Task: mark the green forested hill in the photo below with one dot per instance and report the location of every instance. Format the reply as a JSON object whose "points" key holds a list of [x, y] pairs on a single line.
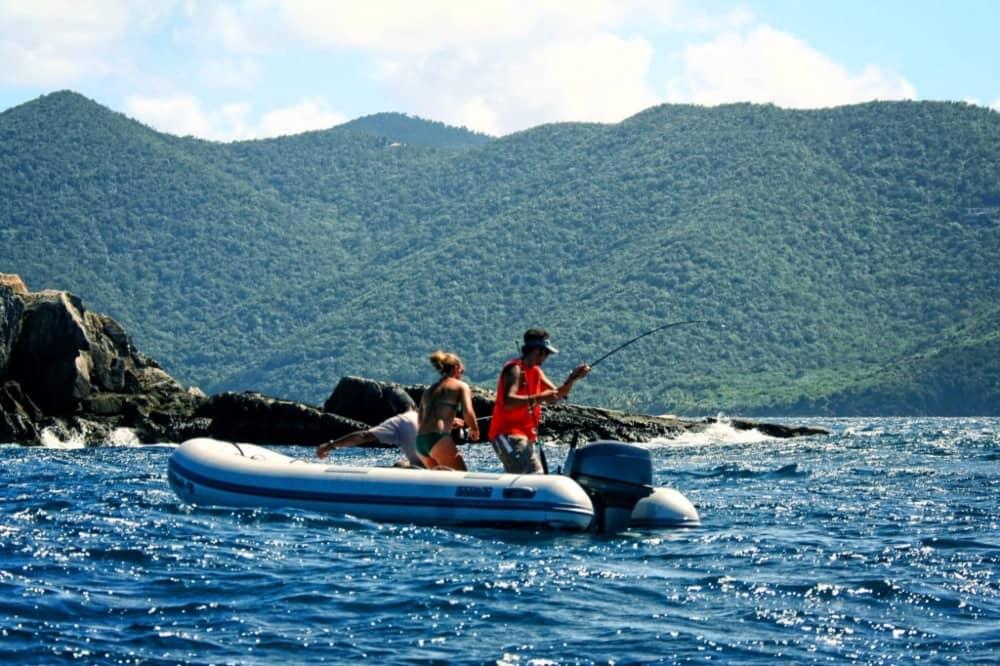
{"points": [[401, 128], [846, 257]]}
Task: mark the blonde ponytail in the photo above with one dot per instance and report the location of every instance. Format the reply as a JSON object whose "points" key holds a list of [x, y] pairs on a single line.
{"points": [[444, 362]]}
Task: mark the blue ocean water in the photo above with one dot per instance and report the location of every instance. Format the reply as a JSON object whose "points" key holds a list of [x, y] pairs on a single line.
{"points": [[876, 544]]}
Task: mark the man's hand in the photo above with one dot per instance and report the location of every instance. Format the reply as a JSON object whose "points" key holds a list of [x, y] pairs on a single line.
{"points": [[549, 396], [579, 372]]}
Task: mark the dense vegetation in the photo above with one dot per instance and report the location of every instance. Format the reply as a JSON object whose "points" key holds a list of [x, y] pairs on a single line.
{"points": [[847, 258]]}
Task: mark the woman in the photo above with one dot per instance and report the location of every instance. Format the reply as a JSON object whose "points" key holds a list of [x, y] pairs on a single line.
{"points": [[440, 405]]}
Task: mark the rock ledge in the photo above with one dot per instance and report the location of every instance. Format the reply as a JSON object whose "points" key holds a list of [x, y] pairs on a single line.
{"points": [[76, 375]]}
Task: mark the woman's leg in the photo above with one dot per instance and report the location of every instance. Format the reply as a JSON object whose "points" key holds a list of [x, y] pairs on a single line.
{"points": [[445, 454], [424, 446]]}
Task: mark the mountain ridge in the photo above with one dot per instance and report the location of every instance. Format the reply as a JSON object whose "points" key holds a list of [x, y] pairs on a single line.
{"points": [[830, 243]]}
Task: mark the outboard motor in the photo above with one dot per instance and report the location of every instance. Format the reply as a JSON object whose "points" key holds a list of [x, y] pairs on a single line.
{"points": [[615, 476]]}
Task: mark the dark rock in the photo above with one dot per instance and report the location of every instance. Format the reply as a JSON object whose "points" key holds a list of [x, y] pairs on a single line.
{"points": [[68, 359], [578, 424], [256, 418], [11, 311], [75, 375], [372, 402], [368, 401], [566, 422], [18, 415], [51, 357], [775, 429], [78, 372], [169, 427], [107, 404]]}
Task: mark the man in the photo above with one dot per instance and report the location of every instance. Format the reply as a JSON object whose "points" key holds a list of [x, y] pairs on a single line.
{"points": [[400, 430], [521, 390]]}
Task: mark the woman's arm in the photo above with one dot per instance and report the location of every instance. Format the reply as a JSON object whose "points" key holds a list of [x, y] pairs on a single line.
{"points": [[469, 412]]}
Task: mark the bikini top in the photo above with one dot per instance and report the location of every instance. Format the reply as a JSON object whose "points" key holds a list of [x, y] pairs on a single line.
{"points": [[434, 401]]}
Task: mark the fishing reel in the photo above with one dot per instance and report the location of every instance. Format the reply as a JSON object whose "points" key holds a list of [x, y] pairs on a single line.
{"points": [[460, 435]]}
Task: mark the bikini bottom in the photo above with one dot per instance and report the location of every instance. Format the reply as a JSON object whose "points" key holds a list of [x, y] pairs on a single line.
{"points": [[427, 440]]}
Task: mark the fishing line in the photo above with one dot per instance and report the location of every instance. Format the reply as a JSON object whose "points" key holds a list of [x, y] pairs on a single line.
{"points": [[649, 332]]}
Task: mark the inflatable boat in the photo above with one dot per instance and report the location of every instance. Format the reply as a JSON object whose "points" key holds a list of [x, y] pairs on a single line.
{"points": [[606, 488]]}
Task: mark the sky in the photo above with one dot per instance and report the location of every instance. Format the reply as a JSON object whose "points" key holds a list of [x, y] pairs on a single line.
{"points": [[230, 70]]}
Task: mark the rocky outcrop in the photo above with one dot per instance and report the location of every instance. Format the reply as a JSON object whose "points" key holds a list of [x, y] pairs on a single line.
{"points": [[19, 415], [77, 373], [72, 374], [252, 417], [366, 400], [12, 293], [372, 401]]}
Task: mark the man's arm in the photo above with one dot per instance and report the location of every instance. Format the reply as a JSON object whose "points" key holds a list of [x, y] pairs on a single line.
{"points": [[352, 439], [512, 378], [560, 393]]}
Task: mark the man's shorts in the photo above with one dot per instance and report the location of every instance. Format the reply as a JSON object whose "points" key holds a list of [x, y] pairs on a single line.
{"points": [[518, 455]]}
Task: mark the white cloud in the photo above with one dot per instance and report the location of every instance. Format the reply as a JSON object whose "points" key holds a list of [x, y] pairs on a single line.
{"points": [[404, 26], [230, 28], [504, 65], [996, 104], [476, 113], [231, 123], [231, 73], [766, 65], [67, 21], [182, 114], [185, 114], [53, 42], [598, 77], [496, 66], [692, 18], [310, 114]]}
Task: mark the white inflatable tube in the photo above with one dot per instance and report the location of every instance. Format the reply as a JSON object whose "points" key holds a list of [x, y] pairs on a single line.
{"points": [[210, 472]]}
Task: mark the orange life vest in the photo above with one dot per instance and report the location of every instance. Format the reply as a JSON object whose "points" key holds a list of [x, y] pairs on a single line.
{"points": [[517, 419]]}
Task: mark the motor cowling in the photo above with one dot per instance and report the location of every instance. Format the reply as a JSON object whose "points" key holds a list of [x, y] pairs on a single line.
{"points": [[616, 476]]}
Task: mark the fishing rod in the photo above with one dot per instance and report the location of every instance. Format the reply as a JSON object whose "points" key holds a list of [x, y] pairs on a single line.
{"points": [[541, 450], [649, 332], [628, 342]]}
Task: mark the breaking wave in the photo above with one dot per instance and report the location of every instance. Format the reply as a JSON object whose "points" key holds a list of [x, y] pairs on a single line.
{"points": [[721, 431]]}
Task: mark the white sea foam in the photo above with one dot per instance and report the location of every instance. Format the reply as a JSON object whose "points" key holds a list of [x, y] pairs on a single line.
{"points": [[124, 437], [719, 432], [54, 438], [59, 438]]}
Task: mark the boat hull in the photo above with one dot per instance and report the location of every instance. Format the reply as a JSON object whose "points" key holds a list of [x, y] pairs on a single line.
{"points": [[210, 472]]}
